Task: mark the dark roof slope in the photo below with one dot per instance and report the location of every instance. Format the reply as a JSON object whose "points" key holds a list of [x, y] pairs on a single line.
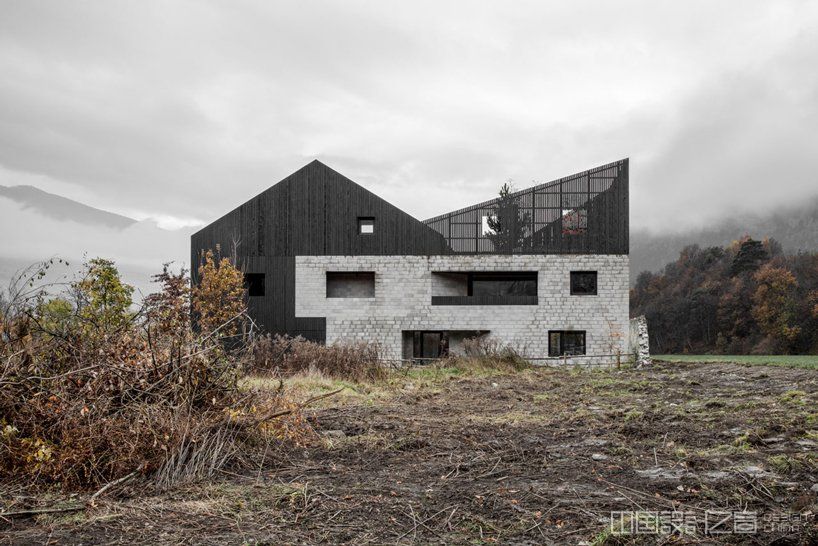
{"points": [[315, 211]]}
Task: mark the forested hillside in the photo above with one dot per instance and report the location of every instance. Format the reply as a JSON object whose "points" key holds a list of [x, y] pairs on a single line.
{"points": [[748, 297], [794, 227]]}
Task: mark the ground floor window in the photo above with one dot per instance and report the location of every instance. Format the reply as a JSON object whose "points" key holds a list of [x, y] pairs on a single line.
{"points": [[566, 342], [430, 344]]}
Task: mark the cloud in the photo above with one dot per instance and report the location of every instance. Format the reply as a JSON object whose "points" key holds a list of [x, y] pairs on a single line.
{"points": [[180, 111], [744, 145]]}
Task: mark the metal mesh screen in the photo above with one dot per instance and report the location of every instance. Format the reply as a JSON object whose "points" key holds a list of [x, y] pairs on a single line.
{"points": [[585, 213]]}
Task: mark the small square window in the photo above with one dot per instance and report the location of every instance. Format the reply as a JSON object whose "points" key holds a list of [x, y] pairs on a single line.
{"points": [[366, 225], [566, 342], [583, 283], [254, 284]]}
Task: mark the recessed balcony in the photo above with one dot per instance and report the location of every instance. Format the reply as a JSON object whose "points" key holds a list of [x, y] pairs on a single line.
{"points": [[484, 300], [484, 288]]}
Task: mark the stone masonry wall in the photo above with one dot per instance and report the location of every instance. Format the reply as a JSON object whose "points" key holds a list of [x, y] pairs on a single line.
{"points": [[403, 293], [639, 344]]}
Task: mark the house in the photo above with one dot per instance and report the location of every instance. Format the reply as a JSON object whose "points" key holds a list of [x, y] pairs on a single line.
{"points": [[544, 269]]}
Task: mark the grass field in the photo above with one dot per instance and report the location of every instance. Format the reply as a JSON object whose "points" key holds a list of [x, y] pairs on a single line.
{"points": [[790, 361]]}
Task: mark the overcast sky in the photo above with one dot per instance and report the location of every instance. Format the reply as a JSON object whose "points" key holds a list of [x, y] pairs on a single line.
{"points": [[182, 110]]}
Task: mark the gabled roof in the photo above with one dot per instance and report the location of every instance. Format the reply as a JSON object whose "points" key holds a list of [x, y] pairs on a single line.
{"points": [[314, 211]]}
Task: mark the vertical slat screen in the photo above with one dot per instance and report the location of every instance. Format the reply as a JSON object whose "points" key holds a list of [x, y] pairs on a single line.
{"points": [[594, 200]]}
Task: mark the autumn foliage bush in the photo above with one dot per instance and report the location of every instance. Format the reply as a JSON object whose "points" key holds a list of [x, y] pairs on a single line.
{"points": [[283, 356], [93, 390]]}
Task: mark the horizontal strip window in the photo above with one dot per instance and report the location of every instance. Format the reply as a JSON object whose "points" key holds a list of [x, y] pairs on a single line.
{"points": [[484, 300], [513, 283]]}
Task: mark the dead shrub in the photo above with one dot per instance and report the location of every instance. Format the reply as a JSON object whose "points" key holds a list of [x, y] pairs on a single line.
{"points": [[91, 390], [491, 354], [284, 356]]}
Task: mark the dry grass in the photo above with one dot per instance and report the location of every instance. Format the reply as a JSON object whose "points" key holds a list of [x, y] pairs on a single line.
{"points": [[281, 356]]}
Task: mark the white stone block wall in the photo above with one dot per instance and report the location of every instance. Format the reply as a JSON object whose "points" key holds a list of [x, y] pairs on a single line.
{"points": [[403, 296], [639, 343]]}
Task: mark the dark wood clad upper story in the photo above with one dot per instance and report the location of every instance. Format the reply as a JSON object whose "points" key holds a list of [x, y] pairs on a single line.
{"points": [[315, 212]]}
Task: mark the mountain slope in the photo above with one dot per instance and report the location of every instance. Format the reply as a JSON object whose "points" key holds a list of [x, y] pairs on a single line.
{"points": [[62, 208], [39, 226]]}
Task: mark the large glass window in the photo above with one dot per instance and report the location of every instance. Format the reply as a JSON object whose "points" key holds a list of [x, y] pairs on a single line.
{"points": [[566, 342], [503, 284]]}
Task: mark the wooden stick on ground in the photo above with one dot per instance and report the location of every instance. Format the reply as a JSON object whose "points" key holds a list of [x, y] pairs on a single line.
{"points": [[77, 508], [36, 511], [109, 485]]}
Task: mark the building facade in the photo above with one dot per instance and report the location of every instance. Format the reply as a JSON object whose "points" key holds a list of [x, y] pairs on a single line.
{"points": [[544, 269]]}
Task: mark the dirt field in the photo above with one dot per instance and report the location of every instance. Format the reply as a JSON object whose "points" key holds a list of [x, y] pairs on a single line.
{"points": [[533, 457]]}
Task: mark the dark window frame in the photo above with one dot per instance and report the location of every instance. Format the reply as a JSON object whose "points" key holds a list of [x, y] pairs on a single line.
{"points": [[254, 284], [560, 350], [366, 221], [576, 275], [418, 344], [503, 276], [360, 274]]}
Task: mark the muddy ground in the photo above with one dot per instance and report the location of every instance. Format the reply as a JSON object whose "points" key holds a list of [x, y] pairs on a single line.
{"points": [[534, 457]]}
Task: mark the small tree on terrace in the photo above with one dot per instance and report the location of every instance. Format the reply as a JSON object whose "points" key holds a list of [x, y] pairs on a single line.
{"points": [[508, 222], [219, 297]]}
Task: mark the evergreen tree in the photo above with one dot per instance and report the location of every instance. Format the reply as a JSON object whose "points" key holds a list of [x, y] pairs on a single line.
{"points": [[508, 223], [751, 254]]}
